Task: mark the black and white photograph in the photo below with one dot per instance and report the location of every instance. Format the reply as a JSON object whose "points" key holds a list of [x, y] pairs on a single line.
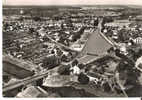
{"points": [[71, 48]]}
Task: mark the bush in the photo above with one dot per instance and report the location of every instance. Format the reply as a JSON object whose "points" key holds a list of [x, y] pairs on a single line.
{"points": [[36, 18], [50, 62], [81, 66], [83, 79], [75, 62], [64, 70], [106, 87]]}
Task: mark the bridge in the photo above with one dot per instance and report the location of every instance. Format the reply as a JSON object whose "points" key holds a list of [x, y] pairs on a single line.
{"points": [[29, 79]]}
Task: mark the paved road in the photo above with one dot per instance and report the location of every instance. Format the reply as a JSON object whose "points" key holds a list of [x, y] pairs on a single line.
{"points": [[95, 45], [28, 80]]}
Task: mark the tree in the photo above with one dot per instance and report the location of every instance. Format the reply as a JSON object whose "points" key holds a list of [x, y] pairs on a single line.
{"points": [[96, 22], [36, 18], [106, 87], [83, 79], [107, 20], [21, 19], [75, 62], [128, 73], [31, 30], [64, 70], [78, 34], [50, 62], [81, 66]]}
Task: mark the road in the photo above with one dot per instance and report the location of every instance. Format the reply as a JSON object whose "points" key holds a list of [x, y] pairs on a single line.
{"points": [[96, 45], [29, 79]]}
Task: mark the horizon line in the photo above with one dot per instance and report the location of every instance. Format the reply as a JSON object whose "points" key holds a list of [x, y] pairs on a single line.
{"points": [[74, 5]]}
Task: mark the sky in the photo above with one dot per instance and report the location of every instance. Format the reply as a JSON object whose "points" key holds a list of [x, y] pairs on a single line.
{"points": [[71, 2]]}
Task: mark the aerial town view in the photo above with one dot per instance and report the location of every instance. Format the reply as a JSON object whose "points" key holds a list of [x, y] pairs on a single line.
{"points": [[72, 51]]}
